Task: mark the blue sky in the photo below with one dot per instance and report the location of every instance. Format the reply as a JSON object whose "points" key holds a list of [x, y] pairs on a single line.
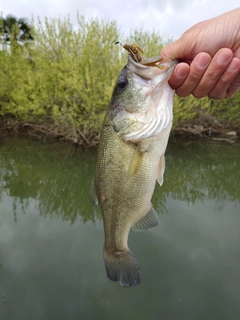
{"points": [[170, 17]]}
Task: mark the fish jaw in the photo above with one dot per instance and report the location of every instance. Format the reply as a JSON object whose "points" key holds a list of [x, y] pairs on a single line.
{"points": [[144, 107]]}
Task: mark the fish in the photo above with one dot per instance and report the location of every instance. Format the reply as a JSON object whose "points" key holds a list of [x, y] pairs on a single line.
{"points": [[130, 159]]}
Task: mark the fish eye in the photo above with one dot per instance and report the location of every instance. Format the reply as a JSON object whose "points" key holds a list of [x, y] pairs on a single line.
{"points": [[122, 82]]}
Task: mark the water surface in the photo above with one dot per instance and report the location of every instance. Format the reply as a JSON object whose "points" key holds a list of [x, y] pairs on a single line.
{"points": [[51, 238]]}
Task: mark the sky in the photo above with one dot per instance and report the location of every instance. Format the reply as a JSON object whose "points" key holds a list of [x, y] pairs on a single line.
{"points": [[169, 17]]}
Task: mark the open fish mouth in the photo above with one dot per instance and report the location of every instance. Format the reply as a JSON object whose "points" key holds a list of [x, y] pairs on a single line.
{"points": [[149, 72], [151, 109]]}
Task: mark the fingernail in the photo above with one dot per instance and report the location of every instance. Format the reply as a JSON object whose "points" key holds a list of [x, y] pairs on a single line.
{"points": [[224, 57], [202, 61]]}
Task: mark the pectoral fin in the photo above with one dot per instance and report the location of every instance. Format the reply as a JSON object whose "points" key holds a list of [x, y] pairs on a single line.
{"points": [[137, 158], [135, 163], [93, 194], [150, 220], [161, 169]]}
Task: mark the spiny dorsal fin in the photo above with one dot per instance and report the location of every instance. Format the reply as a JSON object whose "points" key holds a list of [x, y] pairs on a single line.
{"points": [[150, 220], [161, 169], [93, 194]]}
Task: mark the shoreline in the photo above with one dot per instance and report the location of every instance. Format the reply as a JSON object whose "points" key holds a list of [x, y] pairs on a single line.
{"points": [[90, 138]]}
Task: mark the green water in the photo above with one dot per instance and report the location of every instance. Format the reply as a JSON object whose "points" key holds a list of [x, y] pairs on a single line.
{"points": [[51, 239]]}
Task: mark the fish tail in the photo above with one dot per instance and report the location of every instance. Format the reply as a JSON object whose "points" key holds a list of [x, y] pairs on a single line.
{"points": [[122, 267]]}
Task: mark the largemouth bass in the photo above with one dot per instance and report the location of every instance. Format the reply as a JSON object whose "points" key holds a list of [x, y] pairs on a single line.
{"points": [[130, 159]]}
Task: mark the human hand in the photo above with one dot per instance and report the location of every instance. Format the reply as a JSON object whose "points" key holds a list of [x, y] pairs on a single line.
{"points": [[210, 55]]}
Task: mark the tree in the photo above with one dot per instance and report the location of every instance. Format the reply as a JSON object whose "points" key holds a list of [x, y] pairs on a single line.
{"points": [[15, 31]]}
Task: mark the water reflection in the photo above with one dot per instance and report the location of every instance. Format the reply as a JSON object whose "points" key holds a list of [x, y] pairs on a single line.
{"points": [[58, 178], [51, 264], [200, 171]]}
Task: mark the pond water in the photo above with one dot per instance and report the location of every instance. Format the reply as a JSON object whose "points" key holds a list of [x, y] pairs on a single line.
{"points": [[51, 238]]}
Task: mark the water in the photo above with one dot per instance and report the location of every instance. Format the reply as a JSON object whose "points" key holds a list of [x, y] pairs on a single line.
{"points": [[51, 238]]}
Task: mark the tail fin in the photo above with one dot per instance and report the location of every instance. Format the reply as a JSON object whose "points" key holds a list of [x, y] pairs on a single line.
{"points": [[122, 267]]}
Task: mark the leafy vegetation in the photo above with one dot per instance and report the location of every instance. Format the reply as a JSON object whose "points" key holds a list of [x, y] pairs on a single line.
{"points": [[61, 82], [15, 30]]}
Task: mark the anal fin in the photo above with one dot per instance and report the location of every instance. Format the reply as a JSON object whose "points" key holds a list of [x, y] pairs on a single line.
{"points": [[150, 220]]}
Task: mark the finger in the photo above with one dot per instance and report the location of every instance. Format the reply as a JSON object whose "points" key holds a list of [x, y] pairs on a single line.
{"points": [[213, 73], [229, 82], [197, 70], [179, 75], [234, 87]]}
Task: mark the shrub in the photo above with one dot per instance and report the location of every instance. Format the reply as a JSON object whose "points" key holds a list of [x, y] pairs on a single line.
{"points": [[65, 77]]}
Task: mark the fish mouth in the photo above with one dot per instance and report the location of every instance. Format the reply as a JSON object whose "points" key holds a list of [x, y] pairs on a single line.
{"points": [[150, 72], [152, 111]]}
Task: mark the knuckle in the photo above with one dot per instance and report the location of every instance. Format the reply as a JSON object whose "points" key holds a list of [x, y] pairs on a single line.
{"points": [[229, 95], [215, 97], [198, 94], [223, 82], [232, 90], [201, 90], [222, 89], [182, 92], [212, 75], [193, 78], [217, 94]]}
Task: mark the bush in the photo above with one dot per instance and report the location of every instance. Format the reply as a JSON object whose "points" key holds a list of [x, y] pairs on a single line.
{"points": [[65, 77]]}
